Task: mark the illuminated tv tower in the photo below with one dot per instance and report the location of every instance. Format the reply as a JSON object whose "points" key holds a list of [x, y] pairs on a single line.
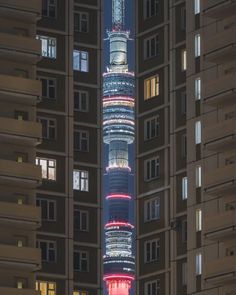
{"points": [[118, 134]]}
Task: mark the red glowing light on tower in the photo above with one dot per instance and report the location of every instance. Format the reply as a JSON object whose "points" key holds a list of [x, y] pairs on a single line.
{"points": [[118, 284]]}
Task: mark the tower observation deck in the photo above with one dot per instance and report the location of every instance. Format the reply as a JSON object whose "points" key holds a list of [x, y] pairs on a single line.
{"points": [[118, 134]]}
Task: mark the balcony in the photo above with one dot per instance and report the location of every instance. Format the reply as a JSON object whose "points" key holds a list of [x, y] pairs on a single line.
{"points": [[15, 291], [21, 9], [221, 180], [19, 174], [20, 132], [219, 8], [220, 92], [222, 47], [221, 271], [20, 257], [221, 226], [19, 48], [20, 216], [220, 137], [19, 90]]}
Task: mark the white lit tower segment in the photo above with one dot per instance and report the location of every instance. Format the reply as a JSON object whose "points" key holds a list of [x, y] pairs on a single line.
{"points": [[118, 134]]}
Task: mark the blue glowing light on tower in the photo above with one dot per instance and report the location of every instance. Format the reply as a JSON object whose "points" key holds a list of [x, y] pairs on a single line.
{"points": [[118, 134]]}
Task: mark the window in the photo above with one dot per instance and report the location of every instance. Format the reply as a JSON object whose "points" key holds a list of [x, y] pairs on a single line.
{"points": [[21, 115], [81, 101], [184, 273], [81, 22], [48, 168], [48, 250], [80, 293], [183, 60], [152, 169], [198, 176], [151, 87], [46, 288], [81, 140], [151, 128], [48, 88], [197, 45], [152, 209], [198, 220], [49, 46], [49, 8], [80, 61], [198, 89], [151, 47], [81, 180], [48, 209], [151, 8], [183, 102], [196, 6], [152, 250], [48, 128], [198, 264], [81, 261], [183, 146], [81, 220], [183, 19], [184, 231], [152, 288], [184, 188], [198, 132]]}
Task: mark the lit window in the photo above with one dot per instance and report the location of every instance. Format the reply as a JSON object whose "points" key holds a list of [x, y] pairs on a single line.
{"points": [[184, 188], [152, 250], [48, 209], [151, 128], [152, 288], [81, 101], [184, 273], [197, 45], [48, 250], [152, 169], [198, 132], [151, 87], [184, 60], [81, 22], [81, 220], [48, 88], [198, 176], [81, 261], [46, 288], [81, 180], [196, 6], [81, 140], [151, 47], [49, 8], [49, 46], [48, 128], [198, 89], [198, 220], [80, 293], [80, 61], [198, 264], [152, 209], [48, 168], [19, 285], [151, 8]]}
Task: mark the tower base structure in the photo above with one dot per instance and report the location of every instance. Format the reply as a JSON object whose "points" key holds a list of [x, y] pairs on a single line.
{"points": [[118, 284]]}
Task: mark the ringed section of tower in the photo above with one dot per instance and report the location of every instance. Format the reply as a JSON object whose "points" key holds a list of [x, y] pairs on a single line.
{"points": [[118, 133]]}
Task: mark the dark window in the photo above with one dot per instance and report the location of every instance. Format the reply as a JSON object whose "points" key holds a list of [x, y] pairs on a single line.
{"points": [[81, 141], [48, 88], [151, 47], [49, 8], [48, 209], [48, 128], [81, 22], [151, 8]]}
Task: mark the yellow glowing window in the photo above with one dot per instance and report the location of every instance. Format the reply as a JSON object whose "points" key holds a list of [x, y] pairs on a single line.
{"points": [[80, 293], [19, 201], [19, 285], [19, 243], [184, 60], [19, 159], [151, 87], [46, 288]]}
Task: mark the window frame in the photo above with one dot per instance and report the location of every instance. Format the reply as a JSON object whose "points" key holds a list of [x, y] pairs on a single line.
{"points": [[80, 253], [81, 179], [80, 102], [48, 283], [38, 203], [153, 256], [149, 121], [48, 86], [48, 167], [198, 264], [197, 45], [48, 5], [197, 7], [80, 217], [198, 88], [48, 249], [198, 174], [198, 132], [184, 188], [148, 10], [148, 47], [78, 65], [78, 26], [198, 220], [80, 132], [51, 49], [148, 211], [150, 283], [148, 170], [151, 87], [48, 127]]}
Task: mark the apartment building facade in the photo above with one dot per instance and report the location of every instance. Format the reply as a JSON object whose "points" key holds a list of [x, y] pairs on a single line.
{"points": [[20, 134], [70, 155], [185, 67]]}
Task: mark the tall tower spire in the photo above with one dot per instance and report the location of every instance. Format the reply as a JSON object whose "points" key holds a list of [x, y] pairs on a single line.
{"points": [[118, 134]]}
